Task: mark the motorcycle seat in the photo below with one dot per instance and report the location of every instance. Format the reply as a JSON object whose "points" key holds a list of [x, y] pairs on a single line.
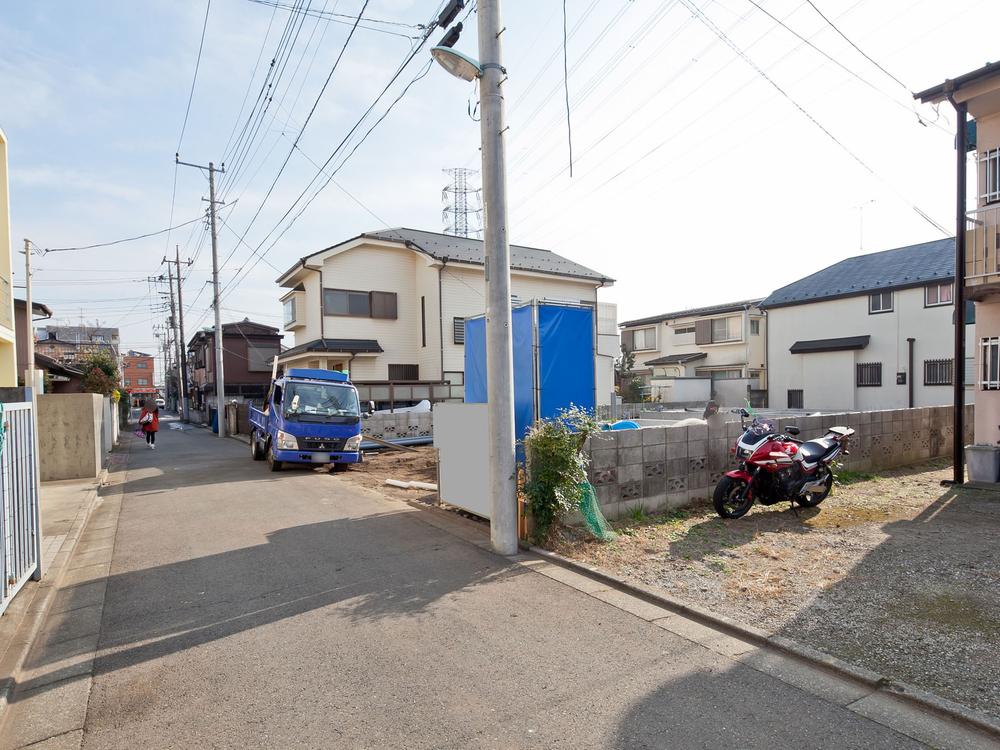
{"points": [[813, 450]]}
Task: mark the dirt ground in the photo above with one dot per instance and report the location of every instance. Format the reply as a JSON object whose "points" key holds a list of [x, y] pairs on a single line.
{"points": [[417, 466], [895, 573]]}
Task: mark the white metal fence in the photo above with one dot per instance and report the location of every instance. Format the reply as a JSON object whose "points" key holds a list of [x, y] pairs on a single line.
{"points": [[19, 527]]}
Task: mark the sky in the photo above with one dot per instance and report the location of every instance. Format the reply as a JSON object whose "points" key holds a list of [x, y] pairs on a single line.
{"points": [[717, 155]]}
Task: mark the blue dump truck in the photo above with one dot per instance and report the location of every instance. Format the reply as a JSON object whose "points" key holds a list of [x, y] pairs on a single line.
{"points": [[310, 417]]}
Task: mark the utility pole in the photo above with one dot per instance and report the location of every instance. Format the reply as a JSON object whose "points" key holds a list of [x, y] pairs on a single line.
{"points": [[499, 349], [220, 382], [183, 342], [177, 341], [29, 374]]}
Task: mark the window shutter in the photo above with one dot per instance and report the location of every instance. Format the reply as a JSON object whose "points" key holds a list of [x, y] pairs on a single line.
{"points": [[383, 305], [703, 332], [458, 330]]}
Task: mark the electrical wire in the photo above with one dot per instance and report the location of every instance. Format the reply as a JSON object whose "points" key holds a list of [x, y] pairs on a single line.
{"points": [[833, 26], [335, 18], [569, 126], [194, 80], [119, 242]]}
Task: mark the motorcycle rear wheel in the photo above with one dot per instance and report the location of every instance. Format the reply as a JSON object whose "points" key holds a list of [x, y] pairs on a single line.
{"points": [[812, 499], [732, 498]]}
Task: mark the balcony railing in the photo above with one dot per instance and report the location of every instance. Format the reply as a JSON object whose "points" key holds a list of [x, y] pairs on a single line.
{"points": [[6, 313], [982, 245]]}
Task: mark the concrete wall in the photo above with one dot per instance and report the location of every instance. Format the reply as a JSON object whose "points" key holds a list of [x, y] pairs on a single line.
{"points": [[398, 425], [668, 467], [828, 379], [70, 435]]}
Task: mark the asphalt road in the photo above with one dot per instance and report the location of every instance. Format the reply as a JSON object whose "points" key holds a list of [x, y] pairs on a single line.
{"points": [[250, 609]]}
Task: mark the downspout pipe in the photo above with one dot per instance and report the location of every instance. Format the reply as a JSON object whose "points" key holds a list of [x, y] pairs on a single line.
{"points": [[958, 368], [444, 262], [909, 370]]}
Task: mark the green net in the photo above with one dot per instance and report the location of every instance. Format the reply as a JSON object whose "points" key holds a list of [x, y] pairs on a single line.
{"points": [[590, 509]]}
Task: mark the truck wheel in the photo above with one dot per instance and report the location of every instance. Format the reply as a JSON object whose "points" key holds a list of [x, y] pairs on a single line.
{"points": [[273, 463], [256, 453]]}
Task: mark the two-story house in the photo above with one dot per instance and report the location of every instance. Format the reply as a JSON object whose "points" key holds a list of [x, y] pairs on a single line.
{"points": [[248, 352], [67, 344], [137, 375], [977, 94], [871, 332], [390, 306], [701, 353], [8, 353]]}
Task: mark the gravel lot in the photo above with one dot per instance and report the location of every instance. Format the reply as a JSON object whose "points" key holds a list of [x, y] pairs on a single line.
{"points": [[895, 573]]}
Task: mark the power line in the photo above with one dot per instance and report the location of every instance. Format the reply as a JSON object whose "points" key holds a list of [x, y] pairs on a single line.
{"points": [[331, 14], [833, 26], [569, 127], [335, 18], [118, 242], [194, 80]]}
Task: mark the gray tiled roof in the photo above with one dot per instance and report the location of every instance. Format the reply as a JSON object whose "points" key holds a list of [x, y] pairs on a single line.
{"points": [[901, 267], [357, 346], [693, 312], [469, 250]]}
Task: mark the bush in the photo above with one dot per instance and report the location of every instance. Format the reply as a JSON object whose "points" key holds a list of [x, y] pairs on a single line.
{"points": [[100, 372], [556, 466]]}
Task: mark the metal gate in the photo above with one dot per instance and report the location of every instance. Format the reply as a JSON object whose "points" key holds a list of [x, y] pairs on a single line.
{"points": [[19, 529]]}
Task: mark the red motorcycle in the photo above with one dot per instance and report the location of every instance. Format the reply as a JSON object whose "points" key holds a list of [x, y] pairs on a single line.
{"points": [[776, 466]]}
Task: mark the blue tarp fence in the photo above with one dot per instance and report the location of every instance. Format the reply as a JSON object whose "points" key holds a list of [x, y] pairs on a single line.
{"points": [[563, 373]]}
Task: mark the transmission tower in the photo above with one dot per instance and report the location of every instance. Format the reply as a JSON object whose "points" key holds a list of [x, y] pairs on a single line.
{"points": [[463, 204]]}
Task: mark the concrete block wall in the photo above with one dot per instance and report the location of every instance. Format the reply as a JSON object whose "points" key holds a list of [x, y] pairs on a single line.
{"points": [[70, 435], [659, 468], [398, 425]]}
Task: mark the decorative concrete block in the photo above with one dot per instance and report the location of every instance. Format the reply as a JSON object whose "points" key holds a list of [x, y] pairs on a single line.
{"points": [[677, 450], [630, 490], [629, 473], [630, 455], [697, 464], [653, 435], [676, 467], [654, 469], [605, 476], [676, 484], [604, 458], [629, 438], [654, 452]]}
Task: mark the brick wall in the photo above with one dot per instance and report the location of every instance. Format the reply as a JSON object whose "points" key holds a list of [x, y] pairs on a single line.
{"points": [[667, 467]]}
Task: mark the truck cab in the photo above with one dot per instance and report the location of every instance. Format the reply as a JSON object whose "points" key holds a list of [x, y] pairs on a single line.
{"points": [[309, 417]]}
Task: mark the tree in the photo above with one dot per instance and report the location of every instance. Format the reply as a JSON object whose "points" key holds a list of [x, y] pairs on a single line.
{"points": [[629, 384], [100, 372]]}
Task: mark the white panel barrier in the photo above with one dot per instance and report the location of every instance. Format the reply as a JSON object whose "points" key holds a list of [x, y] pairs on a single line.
{"points": [[460, 437]]}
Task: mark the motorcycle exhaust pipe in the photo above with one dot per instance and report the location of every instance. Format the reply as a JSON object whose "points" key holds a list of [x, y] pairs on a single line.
{"points": [[816, 486]]}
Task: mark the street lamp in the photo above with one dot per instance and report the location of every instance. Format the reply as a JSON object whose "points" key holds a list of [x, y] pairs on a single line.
{"points": [[499, 350]]}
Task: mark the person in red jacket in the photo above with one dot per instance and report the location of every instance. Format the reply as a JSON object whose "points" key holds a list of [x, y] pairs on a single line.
{"points": [[149, 420]]}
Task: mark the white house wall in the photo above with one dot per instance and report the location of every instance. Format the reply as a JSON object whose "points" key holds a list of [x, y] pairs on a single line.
{"points": [[828, 379]]}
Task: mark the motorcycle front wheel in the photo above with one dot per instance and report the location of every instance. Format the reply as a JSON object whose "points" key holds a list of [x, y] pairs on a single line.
{"points": [[732, 498], [812, 499]]}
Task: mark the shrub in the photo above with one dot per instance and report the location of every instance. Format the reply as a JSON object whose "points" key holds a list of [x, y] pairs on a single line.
{"points": [[556, 466], [100, 372]]}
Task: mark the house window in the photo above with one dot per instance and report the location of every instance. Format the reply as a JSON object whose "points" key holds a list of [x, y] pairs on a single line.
{"points": [[755, 326], [641, 339], [795, 399], [879, 302], [142, 381], [725, 329], [404, 372], [423, 321], [346, 302], [458, 330], [937, 371], [689, 328], [937, 294], [734, 374], [142, 365], [128, 382], [455, 377], [869, 374], [990, 359], [989, 174], [289, 310]]}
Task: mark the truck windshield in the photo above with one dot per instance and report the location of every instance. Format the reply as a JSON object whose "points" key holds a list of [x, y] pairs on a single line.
{"points": [[308, 401]]}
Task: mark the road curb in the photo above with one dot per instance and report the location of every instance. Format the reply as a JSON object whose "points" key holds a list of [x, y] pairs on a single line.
{"points": [[918, 698], [37, 607]]}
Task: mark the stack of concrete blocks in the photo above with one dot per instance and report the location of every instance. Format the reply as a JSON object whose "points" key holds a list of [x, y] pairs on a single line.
{"points": [[398, 425], [659, 468]]}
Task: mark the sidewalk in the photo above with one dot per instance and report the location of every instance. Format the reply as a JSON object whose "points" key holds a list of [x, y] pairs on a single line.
{"points": [[66, 507]]}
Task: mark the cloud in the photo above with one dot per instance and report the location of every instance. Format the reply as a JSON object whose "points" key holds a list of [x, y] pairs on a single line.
{"points": [[72, 181]]}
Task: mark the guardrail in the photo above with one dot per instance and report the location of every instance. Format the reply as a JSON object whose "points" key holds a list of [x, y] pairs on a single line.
{"points": [[19, 522]]}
